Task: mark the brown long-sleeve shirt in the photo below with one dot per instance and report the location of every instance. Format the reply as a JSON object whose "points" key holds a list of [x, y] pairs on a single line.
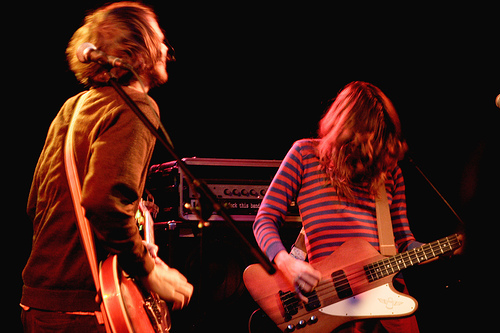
{"points": [[112, 152]]}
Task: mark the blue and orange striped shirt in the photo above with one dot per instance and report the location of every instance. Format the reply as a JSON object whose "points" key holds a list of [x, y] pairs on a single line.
{"points": [[328, 219]]}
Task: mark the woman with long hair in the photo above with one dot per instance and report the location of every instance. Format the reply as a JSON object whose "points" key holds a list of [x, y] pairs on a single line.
{"points": [[334, 181]]}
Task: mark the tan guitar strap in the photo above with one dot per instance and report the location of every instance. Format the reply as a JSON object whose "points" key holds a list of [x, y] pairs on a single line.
{"points": [[299, 250], [76, 196], [384, 226], [384, 223]]}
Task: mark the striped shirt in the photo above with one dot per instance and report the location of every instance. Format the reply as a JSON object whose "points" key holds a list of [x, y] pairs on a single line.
{"points": [[328, 219]]}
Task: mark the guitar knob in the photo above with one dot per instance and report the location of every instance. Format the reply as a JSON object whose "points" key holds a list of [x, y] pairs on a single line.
{"points": [[290, 328], [313, 320], [302, 323]]}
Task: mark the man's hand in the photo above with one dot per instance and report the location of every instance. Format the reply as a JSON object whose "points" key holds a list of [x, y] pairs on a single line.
{"points": [[152, 249], [169, 284], [460, 250]]}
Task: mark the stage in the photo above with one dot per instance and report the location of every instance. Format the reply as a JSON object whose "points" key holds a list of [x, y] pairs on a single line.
{"points": [[250, 79]]}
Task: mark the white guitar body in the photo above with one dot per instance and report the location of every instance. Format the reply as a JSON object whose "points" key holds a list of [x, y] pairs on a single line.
{"points": [[381, 301]]}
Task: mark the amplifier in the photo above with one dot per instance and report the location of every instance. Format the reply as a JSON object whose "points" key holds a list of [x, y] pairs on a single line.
{"points": [[239, 184]]}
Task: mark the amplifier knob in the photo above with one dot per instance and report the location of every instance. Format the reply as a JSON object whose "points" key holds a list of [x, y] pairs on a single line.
{"points": [[245, 193], [263, 192], [253, 193], [236, 192], [228, 192]]}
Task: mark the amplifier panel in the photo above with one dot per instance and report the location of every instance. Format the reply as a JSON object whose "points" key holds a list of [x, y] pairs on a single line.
{"points": [[239, 184]]}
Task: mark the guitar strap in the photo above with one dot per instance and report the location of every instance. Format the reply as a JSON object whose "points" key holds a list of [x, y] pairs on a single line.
{"points": [[384, 226], [299, 250], [384, 223], [76, 196]]}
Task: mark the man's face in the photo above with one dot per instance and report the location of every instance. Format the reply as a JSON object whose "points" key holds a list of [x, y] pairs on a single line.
{"points": [[160, 69]]}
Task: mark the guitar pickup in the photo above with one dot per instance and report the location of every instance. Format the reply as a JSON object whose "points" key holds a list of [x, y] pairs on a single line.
{"points": [[312, 301], [341, 284]]}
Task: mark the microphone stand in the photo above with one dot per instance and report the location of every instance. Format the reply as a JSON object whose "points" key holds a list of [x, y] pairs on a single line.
{"points": [[443, 199], [196, 184]]}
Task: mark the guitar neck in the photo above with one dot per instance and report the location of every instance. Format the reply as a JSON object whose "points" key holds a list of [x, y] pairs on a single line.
{"points": [[394, 264]]}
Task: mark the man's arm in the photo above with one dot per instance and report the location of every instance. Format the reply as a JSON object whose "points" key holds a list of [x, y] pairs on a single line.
{"points": [[113, 184]]}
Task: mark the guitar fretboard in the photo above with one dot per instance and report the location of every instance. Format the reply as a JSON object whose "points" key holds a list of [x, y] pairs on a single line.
{"points": [[388, 266]]}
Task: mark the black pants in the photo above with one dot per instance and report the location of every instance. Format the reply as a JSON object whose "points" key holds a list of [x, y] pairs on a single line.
{"points": [[40, 321]]}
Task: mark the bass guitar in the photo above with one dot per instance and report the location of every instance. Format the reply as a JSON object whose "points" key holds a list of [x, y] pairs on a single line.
{"points": [[129, 306], [356, 284]]}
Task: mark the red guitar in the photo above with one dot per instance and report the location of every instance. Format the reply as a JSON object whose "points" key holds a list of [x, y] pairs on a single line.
{"points": [[356, 284], [129, 306]]}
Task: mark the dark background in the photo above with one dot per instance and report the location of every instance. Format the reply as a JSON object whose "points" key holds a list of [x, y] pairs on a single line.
{"points": [[253, 77]]}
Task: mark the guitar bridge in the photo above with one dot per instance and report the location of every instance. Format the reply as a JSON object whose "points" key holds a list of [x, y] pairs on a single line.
{"points": [[157, 312], [290, 304]]}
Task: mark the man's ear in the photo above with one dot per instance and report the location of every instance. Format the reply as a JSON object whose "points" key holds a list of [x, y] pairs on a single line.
{"points": [[102, 77]]}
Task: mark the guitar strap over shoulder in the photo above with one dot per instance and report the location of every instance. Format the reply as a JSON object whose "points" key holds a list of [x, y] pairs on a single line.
{"points": [[384, 226], [76, 196], [384, 223]]}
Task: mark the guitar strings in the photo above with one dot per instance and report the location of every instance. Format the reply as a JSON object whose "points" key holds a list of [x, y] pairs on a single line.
{"points": [[381, 264], [358, 277], [326, 290], [326, 286]]}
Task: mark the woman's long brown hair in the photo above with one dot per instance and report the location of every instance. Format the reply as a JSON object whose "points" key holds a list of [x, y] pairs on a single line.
{"points": [[360, 138]]}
